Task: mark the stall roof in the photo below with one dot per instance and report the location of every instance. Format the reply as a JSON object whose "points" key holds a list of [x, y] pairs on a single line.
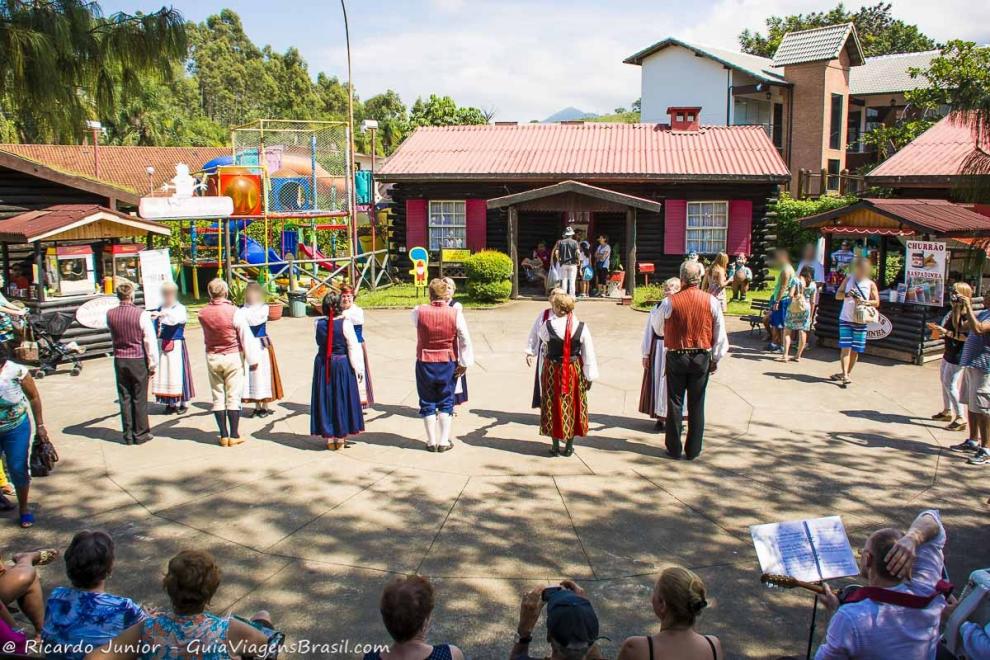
{"points": [[65, 222], [923, 216], [936, 157]]}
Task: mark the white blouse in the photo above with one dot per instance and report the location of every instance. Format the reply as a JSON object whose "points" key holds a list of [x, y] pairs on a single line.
{"points": [[588, 358]]}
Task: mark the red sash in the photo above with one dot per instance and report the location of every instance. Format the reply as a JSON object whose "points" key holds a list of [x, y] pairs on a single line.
{"points": [[899, 598]]}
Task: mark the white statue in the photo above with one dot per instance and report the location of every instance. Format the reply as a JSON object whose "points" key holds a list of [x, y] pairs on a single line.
{"points": [[182, 183]]}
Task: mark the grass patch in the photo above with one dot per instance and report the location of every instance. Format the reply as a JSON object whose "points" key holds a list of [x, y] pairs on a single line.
{"points": [[646, 296], [403, 296]]}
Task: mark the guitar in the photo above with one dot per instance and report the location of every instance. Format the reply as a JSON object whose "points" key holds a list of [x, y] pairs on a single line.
{"points": [[787, 582]]}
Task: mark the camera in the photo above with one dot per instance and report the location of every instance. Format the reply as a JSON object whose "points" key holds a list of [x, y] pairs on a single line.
{"points": [[954, 297]]}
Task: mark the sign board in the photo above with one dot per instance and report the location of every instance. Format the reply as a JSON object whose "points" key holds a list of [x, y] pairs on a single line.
{"points": [[925, 268], [882, 328], [93, 314], [156, 269], [455, 255], [420, 262], [174, 208]]}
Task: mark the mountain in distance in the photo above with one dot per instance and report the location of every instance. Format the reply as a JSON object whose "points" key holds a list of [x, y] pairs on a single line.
{"points": [[568, 114]]}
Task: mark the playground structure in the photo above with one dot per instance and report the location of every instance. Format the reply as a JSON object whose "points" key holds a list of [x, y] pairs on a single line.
{"points": [[296, 215]]}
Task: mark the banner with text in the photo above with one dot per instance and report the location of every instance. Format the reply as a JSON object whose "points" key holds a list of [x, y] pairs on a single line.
{"points": [[925, 269]]}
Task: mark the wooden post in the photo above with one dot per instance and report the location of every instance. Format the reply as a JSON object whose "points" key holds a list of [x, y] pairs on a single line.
{"points": [[842, 181], [39, 264], [630, 250], [823, 187], [227, 247], [6, 264], [800, 183], [514, 249]]}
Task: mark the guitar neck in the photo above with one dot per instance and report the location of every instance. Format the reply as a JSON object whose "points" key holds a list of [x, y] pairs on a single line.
{"points": [[811, 586]]}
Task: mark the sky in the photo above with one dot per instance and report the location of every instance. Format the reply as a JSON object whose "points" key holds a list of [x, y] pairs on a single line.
{"points": [[524, 59]]}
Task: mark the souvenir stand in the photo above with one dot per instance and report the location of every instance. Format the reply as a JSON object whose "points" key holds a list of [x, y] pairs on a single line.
{"points": [[923, 232]]}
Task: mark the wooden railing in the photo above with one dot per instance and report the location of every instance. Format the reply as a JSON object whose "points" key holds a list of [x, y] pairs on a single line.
{"points": [[816, 184]]}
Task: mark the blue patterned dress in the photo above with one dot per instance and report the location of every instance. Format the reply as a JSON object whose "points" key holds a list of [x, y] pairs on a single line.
{"points": [[85, 620], [172, 637]]}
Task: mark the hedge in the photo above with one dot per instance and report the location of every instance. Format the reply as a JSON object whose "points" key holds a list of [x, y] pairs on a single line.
{"points": [[489, 275], [490, 291]]}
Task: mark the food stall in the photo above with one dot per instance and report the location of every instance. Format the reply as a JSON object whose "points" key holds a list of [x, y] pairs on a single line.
{"points": [[910, 243], [57, 259]]}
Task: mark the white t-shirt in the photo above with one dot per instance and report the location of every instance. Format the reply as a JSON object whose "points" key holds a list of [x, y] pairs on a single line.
{"points": [[868, 630], [817, 268], [13, 403], [863, 287]]}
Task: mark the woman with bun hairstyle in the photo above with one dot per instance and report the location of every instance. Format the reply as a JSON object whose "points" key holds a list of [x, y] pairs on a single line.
{"points": [[335, 406], [678, 599]]}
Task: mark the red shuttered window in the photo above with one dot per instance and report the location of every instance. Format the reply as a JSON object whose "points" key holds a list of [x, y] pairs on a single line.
{"points": [[477, 224], [416, 223], [740, 238], [674, 220]]}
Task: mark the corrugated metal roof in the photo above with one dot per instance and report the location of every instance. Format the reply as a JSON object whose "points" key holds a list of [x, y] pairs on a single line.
{"points": [[590, 151], [922, 215], [818, 44], [31, 225], [760, 68], [122, 167], [889, 74], [939, 152]]}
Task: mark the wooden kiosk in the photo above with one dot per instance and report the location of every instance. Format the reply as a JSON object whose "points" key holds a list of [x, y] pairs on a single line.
{"points": [[876, 228], [56, 259]]}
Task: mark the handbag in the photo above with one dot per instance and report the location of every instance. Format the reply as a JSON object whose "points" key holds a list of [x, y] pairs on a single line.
{"points": [[43, 457], [865, 313], [27, 351]]}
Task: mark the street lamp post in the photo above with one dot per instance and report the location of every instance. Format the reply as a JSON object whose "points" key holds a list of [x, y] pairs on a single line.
{"points": [[352, 202]]}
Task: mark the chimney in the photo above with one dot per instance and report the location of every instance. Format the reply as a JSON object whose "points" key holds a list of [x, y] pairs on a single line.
{"points": [[685, 118]]}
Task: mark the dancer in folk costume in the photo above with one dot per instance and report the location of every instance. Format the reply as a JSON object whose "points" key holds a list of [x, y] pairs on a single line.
{"points": [[264, 384], [354, 314], [460, 384], [227, 336], [443, 354], [335, 404], [534, 348], [172, 384], [653, 393], [569, 368]]}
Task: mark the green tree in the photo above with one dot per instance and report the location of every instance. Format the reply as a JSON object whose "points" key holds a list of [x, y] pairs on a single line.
{"points": [[392, 117], [888, 140], [443, 111], [879, 32], [63, 62]]}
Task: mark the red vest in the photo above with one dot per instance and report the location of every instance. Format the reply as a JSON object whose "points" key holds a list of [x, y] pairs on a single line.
{"points": [[124, 322], [436, 333], [690, 322], [219, 333]]}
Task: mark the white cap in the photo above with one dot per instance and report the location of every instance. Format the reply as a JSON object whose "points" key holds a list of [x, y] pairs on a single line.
{"points": [[569, 231]]}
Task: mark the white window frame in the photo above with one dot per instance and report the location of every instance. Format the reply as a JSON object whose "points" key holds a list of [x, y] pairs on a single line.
{"points": [[724, 229], [459, 211]]}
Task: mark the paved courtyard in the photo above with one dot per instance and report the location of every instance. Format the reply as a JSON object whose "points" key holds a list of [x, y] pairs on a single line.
{"points": [[312, 535]]}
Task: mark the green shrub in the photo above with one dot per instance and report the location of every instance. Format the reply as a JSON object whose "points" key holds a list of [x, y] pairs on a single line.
{"points": [[490, 291], [644, 296], [790, 234], [488, 266]]}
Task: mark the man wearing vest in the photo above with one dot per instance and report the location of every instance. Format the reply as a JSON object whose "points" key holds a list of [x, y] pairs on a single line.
{"points": [[228, 346], [135, 358], [695, 339], [566, 254], [897, 614], [439, 362]]}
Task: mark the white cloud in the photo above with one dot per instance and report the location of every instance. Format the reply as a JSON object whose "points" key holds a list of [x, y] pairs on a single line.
{"points": [[530, 59]]}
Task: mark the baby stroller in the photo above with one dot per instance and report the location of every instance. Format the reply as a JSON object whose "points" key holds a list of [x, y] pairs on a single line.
{"points": [[47, 330]]}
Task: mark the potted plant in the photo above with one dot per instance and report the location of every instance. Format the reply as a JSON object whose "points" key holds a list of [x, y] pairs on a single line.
{"points": [[275, 305]]}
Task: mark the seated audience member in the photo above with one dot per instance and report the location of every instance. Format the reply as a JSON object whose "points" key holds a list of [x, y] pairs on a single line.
{"points": [[20, 584], [678, 599], [897, 614], [190, 582], [407, 611], [572, 625], [83, 617]]}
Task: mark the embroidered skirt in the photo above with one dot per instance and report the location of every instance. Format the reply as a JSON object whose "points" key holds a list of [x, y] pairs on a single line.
{"points": [[264, 384], [565, 416], [172, 384]]}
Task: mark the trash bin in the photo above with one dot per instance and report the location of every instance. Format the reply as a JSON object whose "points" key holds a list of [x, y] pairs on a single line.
{"points": [[297, 304]]}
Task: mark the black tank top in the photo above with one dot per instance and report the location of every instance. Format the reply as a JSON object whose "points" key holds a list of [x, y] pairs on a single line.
{"points": [[649, 641]]}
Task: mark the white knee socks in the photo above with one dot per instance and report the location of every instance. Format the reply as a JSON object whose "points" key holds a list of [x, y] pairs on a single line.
{"points": [[432, 432], [445, 423]]}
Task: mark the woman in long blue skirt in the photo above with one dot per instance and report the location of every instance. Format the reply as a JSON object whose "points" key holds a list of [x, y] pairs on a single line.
{"points": [[335, 408]]}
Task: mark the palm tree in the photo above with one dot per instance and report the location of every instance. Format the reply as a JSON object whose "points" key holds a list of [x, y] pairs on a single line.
{"points": [[63, 62]]}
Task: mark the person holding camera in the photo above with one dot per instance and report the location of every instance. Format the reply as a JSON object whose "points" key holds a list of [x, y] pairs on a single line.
{"points": [[953, 330], [572, 625], [975, 361], [860, 300]]}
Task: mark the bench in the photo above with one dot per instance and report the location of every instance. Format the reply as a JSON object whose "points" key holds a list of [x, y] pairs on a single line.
{"points": [[758, 309]]}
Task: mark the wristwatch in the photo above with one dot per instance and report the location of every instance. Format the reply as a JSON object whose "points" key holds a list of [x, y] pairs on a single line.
{"points": [[524, 639]]}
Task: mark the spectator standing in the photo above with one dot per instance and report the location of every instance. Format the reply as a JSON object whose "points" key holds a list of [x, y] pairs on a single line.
{"points": [[406, 607], [858, 293], [11, 318], [572, 625], [18, 394], [603, 264], [716, 278], [192, 579], [135, 360], [678, 599], [954, 330], [695, 340], [976, 383], [83, 617], [740, 275], [802, 294], [780, 298], [566, 254], [897, 614], [586, 273], [808, 259]]}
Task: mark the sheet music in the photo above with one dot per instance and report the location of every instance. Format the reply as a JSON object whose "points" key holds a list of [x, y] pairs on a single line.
{"points": [[809, 550]]}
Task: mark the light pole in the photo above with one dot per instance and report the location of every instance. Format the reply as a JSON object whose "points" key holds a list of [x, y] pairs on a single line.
{"points": [[371, 125], [352, 202]]}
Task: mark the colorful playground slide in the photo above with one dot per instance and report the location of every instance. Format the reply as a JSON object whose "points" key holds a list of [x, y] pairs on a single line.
{"points": [[307, 252], [253, 252]]}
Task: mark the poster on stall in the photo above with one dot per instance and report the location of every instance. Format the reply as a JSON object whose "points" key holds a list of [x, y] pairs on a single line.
{"points": [[156, 269], [925, 268]]}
